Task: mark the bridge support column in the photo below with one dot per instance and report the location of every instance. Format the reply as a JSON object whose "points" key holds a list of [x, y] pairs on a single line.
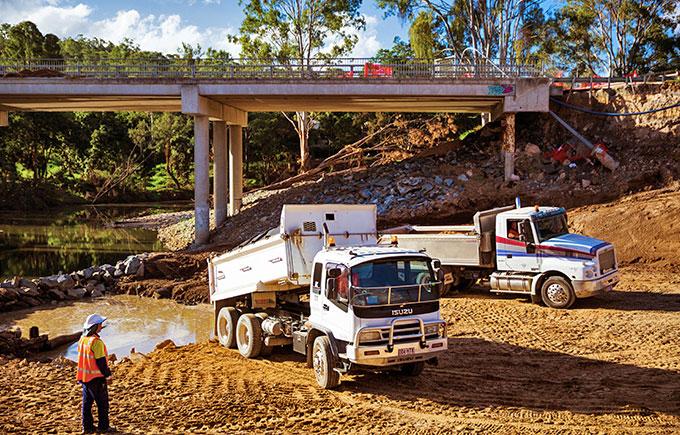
{"points": [[4, 119], [235, 168], [220, 171], [201, 179], [508, 146]]}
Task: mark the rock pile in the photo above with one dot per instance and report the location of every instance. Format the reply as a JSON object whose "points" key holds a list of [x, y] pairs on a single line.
{"points": [[18, 293]]}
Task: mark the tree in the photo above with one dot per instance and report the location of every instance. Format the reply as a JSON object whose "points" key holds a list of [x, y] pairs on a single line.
{"points": [[295, 32], [617, 37], [24, 41], [503, 29], [422, 36], [400, 52]]}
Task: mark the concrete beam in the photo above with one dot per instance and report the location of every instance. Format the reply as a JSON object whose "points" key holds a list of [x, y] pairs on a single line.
{"points": [[531, 95], [195, 104], [220, 171], [201, 179], [235, 168], [4, 119]]}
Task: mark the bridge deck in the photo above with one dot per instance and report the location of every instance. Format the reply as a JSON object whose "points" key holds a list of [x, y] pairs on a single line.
{"points": [[387, 95]]}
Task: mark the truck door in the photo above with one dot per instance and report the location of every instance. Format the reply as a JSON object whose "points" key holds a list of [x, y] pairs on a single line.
{"points": [[516, 247], [330, 301]]}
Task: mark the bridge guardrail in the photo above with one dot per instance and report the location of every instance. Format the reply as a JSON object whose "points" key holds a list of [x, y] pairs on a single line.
{"points": [[343, 69]]}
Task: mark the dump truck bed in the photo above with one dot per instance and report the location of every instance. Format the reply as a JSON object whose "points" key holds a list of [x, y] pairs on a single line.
{"points": [[282, 259], [454, 245]]}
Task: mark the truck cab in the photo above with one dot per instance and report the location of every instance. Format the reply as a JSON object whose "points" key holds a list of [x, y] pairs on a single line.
{"points": [[381, 304], [535, 252]]}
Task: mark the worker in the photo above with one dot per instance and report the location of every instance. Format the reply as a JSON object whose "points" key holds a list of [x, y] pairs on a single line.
{"points": [[94, 374], [513, 231]]}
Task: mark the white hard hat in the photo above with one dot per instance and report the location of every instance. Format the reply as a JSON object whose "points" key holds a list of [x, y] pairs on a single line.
{"points": [[93, 319]]}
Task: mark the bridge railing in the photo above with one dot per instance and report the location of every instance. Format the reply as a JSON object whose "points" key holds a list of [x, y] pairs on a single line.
{"points": [[342, 69]]}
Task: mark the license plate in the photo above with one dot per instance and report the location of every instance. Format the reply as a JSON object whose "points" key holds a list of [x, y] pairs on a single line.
{"points": [[406, 351]]}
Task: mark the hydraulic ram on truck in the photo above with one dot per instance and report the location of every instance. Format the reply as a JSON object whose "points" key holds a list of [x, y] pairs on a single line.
{"points": [[320, 283]]}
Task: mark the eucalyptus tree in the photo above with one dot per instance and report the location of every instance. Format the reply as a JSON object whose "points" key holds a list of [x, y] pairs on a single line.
{"points": [[503, 29], [617, 37], [295, 33]]}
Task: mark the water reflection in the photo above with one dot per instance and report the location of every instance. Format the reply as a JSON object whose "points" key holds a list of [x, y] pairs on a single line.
{"points": [[44, 243], [132, 322]]}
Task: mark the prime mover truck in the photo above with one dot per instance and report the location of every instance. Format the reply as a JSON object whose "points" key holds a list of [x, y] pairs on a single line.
{"points": [[321, 283], [524, 250]]}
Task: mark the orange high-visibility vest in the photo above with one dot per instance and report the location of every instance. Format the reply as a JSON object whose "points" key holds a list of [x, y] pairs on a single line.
{"points": [[87, 367]]}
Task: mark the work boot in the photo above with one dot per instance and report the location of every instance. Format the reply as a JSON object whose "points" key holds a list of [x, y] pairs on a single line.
{"points": [[111, 429], [88, 431]]}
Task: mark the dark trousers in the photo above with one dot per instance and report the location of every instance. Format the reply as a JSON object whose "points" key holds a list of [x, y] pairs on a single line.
{"points": [[95, 391]]}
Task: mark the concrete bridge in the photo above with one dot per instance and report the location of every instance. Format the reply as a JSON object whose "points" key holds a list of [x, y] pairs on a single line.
{"points": [[227, 96]]}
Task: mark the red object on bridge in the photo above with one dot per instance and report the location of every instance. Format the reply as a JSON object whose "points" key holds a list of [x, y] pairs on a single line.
{"points": [[376, 70]]}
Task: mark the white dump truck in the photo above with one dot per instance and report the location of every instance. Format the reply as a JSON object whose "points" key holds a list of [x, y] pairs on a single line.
{"points": [[524, 250], [321, 283]]}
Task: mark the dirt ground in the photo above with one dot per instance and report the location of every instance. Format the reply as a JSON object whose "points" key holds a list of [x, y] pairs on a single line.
{"points": [[610, 365]]}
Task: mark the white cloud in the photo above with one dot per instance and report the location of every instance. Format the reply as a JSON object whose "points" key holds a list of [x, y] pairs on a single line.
{"points": [[164, 33], [47, 15], [367, 45]]}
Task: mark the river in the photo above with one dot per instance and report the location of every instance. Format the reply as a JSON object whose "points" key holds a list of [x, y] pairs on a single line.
{"points": [[44, 243], [133, 322]]}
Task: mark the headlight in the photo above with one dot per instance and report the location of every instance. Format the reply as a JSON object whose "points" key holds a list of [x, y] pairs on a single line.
{"points": [[370, 336], [589, 273], [432, 329]]}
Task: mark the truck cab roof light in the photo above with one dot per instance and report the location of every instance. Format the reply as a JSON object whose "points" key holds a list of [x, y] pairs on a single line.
{"points": [[394, 241], [331, 241]]}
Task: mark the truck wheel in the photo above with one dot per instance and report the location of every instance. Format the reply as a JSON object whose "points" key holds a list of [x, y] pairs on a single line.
{"points": [[412, 369], [556, 292], [249, 336], [226, 327], [322, 361]]}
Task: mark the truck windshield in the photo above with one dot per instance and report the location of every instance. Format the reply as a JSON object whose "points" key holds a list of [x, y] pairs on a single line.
{"points": [[388, 282], [552, 226]]}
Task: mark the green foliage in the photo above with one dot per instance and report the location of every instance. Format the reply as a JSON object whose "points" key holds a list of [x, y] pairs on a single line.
{"points": [[616, 36], [400, 52], [298, 29], [422, 36]]}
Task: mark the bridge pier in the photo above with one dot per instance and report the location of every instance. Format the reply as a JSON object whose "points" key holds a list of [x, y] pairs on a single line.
{"points": [[235, 168], [201, 178], [220, 171], [508, 146]]}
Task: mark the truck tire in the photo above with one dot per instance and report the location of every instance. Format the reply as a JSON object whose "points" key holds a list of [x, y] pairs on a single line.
{"points": [[556, 292], [226, 327], [249, 336], [412, 369], [322, 361]]}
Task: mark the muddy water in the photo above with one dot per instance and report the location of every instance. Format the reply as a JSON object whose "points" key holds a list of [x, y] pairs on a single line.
{"points": [[44, 243], [133, 322]]}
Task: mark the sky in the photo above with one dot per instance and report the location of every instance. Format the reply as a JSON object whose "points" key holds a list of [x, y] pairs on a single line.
{"points": [[162, 25]]}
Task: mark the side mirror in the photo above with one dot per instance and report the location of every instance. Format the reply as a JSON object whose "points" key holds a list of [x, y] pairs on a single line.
{"points": [[436, 264], [333, 273], [331, 288]]}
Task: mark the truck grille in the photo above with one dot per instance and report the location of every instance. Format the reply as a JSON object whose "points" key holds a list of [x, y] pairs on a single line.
{"points": [[403, 332], [607, 260]]}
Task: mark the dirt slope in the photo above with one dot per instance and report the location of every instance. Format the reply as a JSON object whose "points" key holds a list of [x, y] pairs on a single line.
{"points": [[644, 227]]}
